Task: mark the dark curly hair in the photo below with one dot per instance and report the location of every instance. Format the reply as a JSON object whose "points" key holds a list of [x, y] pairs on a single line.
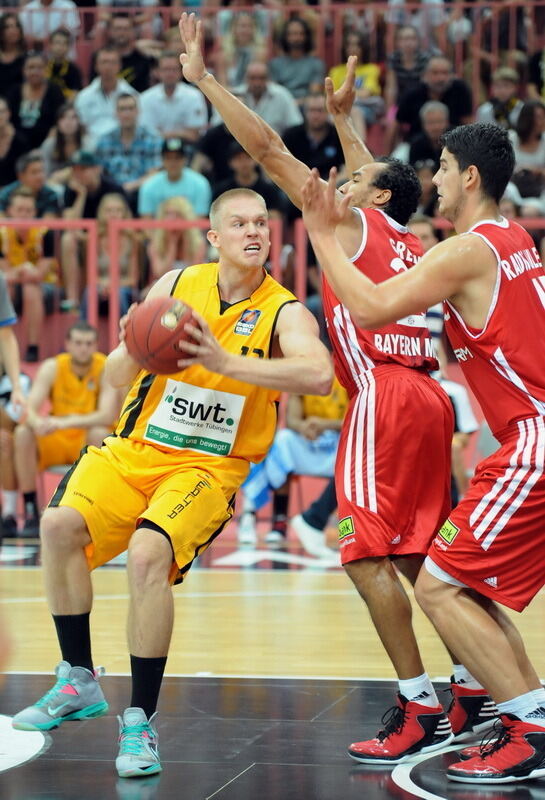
{"points": [[308, 43], [487, 147], [403, 182]]}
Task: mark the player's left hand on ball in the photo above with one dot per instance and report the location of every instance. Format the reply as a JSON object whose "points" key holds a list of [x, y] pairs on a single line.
{"points": [[203, 347], [124, 320]]}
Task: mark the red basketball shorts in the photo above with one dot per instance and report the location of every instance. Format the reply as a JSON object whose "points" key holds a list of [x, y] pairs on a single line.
{"points": [[494, 540], [392, 474]]}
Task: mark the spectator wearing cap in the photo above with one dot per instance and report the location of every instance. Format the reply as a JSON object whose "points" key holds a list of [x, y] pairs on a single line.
{"points": [[130, 153], [40, 18], [246, 175], [426, 146], [96, 104], [30, 171], [504, 106], [173, 180], [86, 187], [173, 109]]}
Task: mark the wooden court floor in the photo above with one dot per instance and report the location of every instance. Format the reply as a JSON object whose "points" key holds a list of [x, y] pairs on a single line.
{"points": [[274, 669]]}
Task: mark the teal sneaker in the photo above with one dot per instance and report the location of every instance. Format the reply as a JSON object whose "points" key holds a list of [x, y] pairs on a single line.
{"points": [[75, 695], [138, 745]]}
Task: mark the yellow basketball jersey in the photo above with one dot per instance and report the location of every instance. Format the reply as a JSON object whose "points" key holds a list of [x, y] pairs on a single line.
{"points": [[71, 394], [331, 407], [199, 411], [17, 251]]}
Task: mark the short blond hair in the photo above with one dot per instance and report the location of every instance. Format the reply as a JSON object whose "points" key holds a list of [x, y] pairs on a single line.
{"points": [[231, 194]]}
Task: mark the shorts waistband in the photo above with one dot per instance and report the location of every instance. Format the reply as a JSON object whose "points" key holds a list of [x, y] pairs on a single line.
{"points": [[389, 370]]}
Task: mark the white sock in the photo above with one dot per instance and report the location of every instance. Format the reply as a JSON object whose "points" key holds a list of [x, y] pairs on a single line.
{"points": [[539, 696], [419, 689], [247, 505], [463, 675], [9, 502], [524, 707]]}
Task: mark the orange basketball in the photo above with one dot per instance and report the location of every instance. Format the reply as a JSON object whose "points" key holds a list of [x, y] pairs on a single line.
{"points": [[154, 332]]}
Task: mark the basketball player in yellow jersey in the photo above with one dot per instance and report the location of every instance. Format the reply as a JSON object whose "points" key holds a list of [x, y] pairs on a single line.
{"points": [[163, 486], [82, 410]]}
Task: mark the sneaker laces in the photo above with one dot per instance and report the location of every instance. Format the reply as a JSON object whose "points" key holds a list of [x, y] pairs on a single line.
{"points": [[495, 739], [130, 739], [48, 696], [393, 721]]}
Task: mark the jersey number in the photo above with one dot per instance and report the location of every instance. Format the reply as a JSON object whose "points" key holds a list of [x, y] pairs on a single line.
{"points": [[256, 351]]}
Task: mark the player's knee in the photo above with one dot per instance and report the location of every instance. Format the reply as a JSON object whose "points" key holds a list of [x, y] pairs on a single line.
{"points": [[23, 435], [430, 592], [63, 530], [148, 561]]}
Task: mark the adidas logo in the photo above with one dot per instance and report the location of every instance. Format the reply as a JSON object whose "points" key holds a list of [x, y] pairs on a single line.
{"points": [[396, 540], [421, 696], [539, 713], [492, 582]]}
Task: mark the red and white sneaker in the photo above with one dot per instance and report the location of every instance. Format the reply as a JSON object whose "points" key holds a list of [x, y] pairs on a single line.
{"points": [[409, 729], [517, 755], [470, 713]]}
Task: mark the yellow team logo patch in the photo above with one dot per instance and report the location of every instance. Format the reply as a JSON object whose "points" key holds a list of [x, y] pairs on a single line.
{"points": [[449, 532], [346, 527]]}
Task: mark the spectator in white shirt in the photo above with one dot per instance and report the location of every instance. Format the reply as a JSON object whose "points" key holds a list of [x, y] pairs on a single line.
{"points": [[271, 101], [96, 104], [39, 18], [173, 109]]}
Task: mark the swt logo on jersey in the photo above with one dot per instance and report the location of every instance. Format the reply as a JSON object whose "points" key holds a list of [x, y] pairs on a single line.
{"points": [[247, 322]]}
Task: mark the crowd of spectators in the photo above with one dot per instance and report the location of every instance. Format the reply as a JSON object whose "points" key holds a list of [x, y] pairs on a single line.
{"points": [[96, 121]]}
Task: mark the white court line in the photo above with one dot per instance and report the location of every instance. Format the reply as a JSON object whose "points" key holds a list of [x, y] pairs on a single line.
{"points": [[225, 785], [401, 774], [205, 595]]}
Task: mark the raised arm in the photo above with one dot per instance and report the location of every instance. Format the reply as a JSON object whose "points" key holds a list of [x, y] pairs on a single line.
{"points": [[259, 140], [339, 104], [459, 263]]}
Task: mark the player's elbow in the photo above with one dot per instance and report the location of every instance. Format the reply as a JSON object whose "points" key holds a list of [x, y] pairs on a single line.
{"points": [[368, 316]]}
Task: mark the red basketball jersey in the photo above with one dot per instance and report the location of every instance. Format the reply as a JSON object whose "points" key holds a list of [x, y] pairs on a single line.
{"points": [[386, 248], [504, 363]]}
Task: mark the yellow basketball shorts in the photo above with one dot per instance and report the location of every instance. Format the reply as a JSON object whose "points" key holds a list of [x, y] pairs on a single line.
{"points": [[190, 497], [58, 448]]}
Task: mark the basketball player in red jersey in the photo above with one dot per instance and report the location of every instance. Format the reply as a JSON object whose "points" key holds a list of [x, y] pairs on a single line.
{"points": [[491, 548], [397, 416]]}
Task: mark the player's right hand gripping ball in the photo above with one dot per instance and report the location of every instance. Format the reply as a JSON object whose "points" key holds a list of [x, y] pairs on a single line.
{"points": [[154, 331]]}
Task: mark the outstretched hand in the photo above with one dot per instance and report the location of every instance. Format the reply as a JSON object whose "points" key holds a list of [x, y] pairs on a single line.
{"points": [[191, 32], [342, 100], [323, 206]]}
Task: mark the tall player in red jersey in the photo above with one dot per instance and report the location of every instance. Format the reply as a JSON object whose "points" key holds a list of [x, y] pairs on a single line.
{"points": [[492, 546], [398, 417]]}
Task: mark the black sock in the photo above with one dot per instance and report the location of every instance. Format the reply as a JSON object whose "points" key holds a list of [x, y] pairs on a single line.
{"points": [[319, 512], [280, 511], [147, 676], [75, 639], [31, 504]]}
